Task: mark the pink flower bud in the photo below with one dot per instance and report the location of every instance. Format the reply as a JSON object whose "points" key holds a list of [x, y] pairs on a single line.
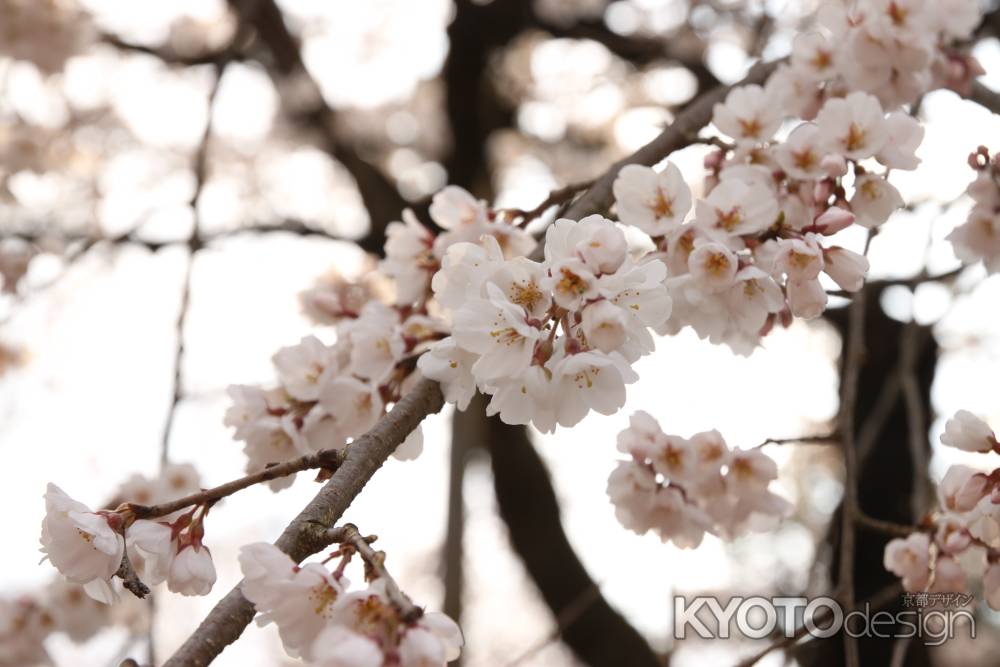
{"points": [[833, 220]]}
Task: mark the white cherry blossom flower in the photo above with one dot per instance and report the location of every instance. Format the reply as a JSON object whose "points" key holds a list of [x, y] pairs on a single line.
{"points": [[846, 267], [376, 345], [654, 202], [336, 646], [806, 299], [853, 126], [525, 398], [604, 325], [81, 544], [355, 405], [369, 613], [571, 283], [498, 331], [752, 298], [522, 281], [191, 571], [801, 155], [904, 136], [409, 258], [643, 436], [638, 291], [713, 266], [874, 200], [151, 547], [464, 269], [979, 239], [801, 259], [962, 487], [968, 432], [748, 115], [750, 470], [909, 559], [737, 207], [813, 56], [606, 249], [300, 367], [457, 211], [450, 365], [299, 600], [594, 240]]}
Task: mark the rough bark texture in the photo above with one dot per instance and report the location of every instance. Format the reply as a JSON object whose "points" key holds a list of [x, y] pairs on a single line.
{"points": [[598, 634], [307, 533]]}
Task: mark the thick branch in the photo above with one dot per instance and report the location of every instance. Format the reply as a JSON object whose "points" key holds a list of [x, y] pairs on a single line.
{"points": [[308, 532]]}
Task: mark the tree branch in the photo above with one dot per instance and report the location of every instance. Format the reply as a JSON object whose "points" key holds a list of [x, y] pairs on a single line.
{"points": [[308, 532], [853, 360], [375, 561]]}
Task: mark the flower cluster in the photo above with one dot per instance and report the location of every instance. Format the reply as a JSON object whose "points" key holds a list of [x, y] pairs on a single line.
{"points": [[550, 340], [88, 547], [683, 488], [893, 49], [978, 239], [330, 394], [752, 254], [320, 621], [966, 521], [85, 546]]}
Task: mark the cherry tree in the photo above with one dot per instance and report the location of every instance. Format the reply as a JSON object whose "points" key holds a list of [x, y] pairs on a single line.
{"points": [[538, 317]]}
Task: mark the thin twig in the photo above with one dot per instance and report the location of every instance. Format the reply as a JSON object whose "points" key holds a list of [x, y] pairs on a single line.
{"points": [[882, 526], [853, 360], [872, 427], [916, 420], [824, 438], [329, 459], [375, 560], [558, 197]]}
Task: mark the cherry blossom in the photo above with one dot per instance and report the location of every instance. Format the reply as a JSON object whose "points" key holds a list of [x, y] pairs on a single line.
{"points": [[968, 432], [192, 571], [748, 115], [909, 559], [683, 488], [299, 600], [655, 202], [85, 546]]}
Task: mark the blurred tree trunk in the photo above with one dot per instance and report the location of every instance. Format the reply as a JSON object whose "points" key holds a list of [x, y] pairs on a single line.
{"points": [[596, 633], [886, 476]]}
